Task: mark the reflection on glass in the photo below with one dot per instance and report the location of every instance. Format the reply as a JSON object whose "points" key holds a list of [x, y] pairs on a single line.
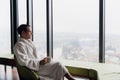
{"points": [[5, 40], [39, 25], [76, 30], [112, 43]]}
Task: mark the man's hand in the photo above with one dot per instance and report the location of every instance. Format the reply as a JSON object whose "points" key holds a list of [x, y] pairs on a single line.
{"points": [[45, 60]]}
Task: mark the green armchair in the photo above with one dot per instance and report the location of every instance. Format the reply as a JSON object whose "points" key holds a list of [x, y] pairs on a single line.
{"points": [[83, 72], [26, 73]]}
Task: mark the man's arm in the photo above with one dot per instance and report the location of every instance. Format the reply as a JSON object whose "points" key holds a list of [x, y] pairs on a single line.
{"points": [[45, 60]]}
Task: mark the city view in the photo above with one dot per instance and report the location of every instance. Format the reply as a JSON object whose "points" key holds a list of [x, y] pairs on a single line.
{"points": [[82, 47]]}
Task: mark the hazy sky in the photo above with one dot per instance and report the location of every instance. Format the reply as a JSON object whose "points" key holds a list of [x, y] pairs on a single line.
{"points": [[79, 16], [82, 16]]}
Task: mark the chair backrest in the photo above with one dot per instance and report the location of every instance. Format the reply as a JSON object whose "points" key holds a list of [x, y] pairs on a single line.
{"points": [[26, 73]]}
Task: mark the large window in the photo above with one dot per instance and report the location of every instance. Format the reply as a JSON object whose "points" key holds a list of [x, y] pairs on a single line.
{"points": [[39, 25], [5, 40], [112, 49], [76, 30]]}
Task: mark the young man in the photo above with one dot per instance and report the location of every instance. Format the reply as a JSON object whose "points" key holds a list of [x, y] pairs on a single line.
{"points": [[26, 55]]}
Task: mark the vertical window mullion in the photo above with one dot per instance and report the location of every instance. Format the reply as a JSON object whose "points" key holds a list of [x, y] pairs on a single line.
{"points": [[102, 31], [14, 22], [49, 15], [30, 14]]}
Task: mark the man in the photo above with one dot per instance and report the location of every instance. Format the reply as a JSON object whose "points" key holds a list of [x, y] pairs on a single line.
{"points": [[26, 55]]}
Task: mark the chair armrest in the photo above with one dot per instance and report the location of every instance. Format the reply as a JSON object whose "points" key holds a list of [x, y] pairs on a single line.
{"points": [[83, 72]]}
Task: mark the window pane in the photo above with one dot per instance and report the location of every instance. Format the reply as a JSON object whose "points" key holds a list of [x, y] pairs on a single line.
{"points": [[22, 12], [5, 40], [76, 30], [112, 48], [39, 25]]}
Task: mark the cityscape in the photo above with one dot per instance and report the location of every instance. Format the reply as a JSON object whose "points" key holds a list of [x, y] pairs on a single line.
{"points": [[80, 47]]}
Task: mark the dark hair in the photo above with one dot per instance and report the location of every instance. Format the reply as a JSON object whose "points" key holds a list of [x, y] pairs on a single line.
{"points": [[22, 27]]}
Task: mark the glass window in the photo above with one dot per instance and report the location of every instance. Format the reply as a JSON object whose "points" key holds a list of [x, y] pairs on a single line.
{"points": [[5, 40], [39, 25], [22, 7], [76, 30], [112, 48]]}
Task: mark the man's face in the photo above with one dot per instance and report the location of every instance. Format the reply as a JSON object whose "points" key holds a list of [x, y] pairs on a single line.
{"points": [[28, 33]]}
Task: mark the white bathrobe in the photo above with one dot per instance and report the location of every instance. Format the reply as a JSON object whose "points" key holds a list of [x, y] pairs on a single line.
{"points": [[27, 56]]}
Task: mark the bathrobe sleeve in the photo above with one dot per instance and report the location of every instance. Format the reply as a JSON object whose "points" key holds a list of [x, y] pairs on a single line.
{"points": [[22, 57]]}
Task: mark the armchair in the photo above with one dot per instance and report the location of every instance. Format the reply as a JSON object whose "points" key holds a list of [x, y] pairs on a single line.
{"points": [[26, 73]]}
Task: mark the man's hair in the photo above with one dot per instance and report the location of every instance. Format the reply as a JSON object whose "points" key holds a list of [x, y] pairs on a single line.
{"points": [[22, 27]]}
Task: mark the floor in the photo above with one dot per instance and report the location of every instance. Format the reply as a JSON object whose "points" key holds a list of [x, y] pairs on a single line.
{"points": [[12, 74]]}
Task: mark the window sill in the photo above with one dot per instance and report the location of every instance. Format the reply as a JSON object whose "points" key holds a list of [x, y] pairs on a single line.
{"points": [[104, 71]]}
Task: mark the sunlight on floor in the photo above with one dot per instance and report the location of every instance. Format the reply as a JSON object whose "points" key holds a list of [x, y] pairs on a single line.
{"points": [[11, 74]]}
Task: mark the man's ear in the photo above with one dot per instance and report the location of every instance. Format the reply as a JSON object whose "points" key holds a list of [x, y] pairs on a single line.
{"points": [[23, 33]]}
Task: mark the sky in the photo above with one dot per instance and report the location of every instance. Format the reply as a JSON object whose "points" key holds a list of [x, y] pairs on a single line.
{"points": [[77, 16]]}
